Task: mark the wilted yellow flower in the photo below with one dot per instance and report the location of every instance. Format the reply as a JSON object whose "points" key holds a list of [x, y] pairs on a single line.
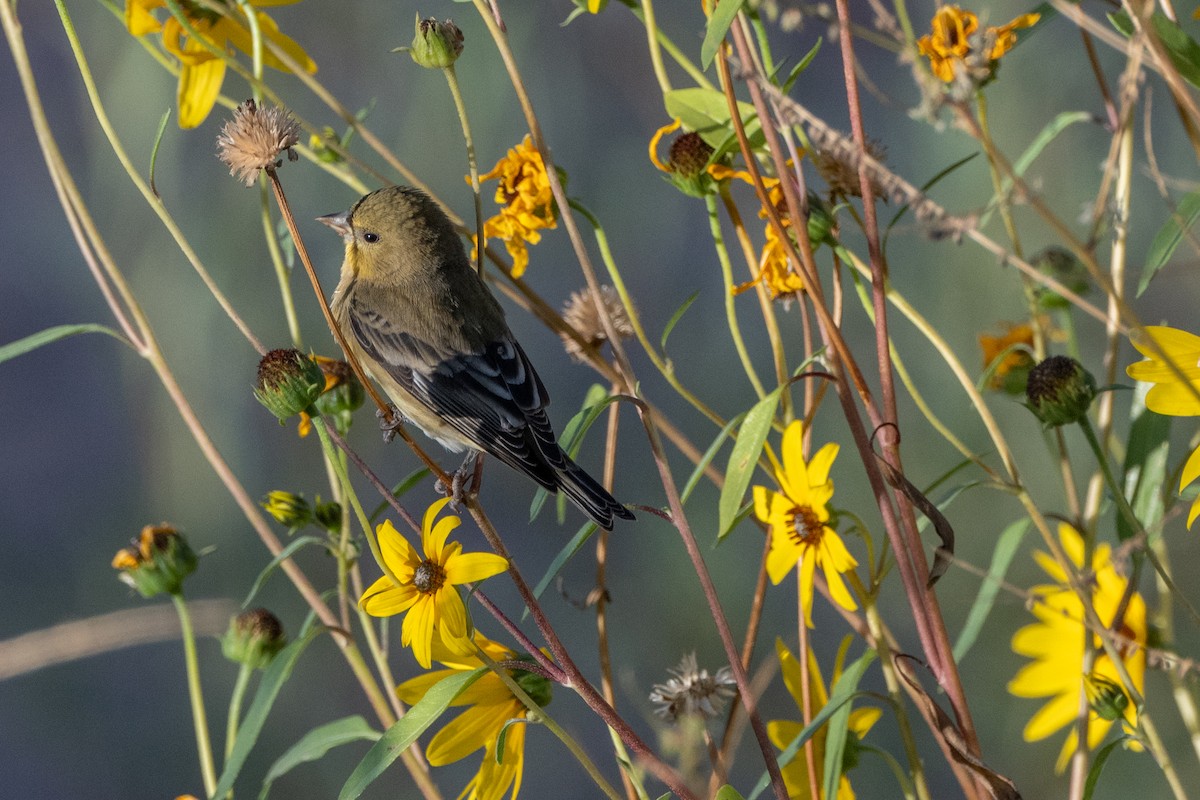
{"points": [[798, 517], [527, 203], [426, 584], [774, 266], [1057, 641], [201, 73], [1016, 345], [949, 45]]}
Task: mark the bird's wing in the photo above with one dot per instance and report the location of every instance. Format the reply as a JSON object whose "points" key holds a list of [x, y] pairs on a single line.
{"points": [[494, 398]]}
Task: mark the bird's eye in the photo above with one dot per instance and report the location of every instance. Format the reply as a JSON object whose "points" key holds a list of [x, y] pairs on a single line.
{"points": [[370, 238]]}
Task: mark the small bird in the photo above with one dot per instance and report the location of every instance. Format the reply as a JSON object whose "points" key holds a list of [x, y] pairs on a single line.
{"points": [[423, 324]]}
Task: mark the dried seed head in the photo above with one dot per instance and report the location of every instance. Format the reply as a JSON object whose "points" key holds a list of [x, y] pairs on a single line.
{"points": [[254, 138], [581, 314], [841, 172], [693, 691]]}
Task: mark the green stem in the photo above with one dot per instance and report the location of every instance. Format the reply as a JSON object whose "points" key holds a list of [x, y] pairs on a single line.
{"points": [[235, 708], [472, 163], [539, 713], [196, 696], [256, 45], [282, 274], [735, 331]]}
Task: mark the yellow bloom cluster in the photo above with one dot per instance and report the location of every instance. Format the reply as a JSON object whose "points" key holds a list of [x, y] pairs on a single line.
{"points": [[527, 206], [201, 71], [949, 45]]}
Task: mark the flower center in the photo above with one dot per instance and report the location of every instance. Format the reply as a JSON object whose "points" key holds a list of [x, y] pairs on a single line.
{"points": [[429, 577], [806, 526]]}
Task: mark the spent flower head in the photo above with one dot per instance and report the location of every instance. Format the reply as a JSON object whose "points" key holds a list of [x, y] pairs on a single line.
{"points": [[1060, 391], [288, 382], [527, 204], [692, 691], [581, 314], [156, 562], [254, 139], [254, 638], [425, 582], [957, 49], [687, 161]]}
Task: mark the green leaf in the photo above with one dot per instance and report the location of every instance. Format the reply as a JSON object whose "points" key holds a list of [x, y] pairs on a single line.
{"points": [[1002, 556], [284, 555], [671, 323], [1098, 763], [799, 68], [839, 723], [727, 792], [718, 25], [35, 340], [572, 547], [273, 678], [744, 460], [316, 743], [398, 737], [162, 127], [1181, 48], [1145, 465], [706, 112], [1168, 238]]}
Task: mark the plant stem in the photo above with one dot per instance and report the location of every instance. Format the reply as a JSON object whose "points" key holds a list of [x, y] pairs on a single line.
{"points": [[196, 696], [235, 708], [472, 163]]}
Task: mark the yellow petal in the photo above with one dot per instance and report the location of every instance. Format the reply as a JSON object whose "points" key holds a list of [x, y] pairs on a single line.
{"points": [[1053, 716], [413, 689], [497, 774], [783, 555], [384, 598], [138, 19], [398, 555], [433, 541], [417, 630], [466, 733], [452, 620], [808, 565], [654, 140], [837, 587], [199, 87], [472, 567]]}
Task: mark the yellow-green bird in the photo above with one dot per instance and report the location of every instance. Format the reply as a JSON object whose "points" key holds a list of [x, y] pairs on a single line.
{"points": [[423, 324]]}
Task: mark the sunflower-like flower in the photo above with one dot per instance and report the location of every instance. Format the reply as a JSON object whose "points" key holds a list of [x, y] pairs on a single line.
{"points": [[201, 73], [1057, 642], [799, 518], [953, 42], [1171, 394], [783, 732], [491, 708], [425, 585], [527, 203]]}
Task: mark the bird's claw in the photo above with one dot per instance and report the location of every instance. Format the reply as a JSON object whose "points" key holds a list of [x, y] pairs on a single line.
{"points": [[463, 481], [389, 422]]}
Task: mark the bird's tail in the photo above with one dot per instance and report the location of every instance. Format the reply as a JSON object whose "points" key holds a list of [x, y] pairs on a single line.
{"points": [[592, 498]]}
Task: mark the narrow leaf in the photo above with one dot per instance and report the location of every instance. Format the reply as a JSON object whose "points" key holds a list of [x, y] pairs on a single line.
{"points": [[727, 792], [162, 127], [284, 555], [1098, 763], [273, 678], [678, 315], [1002, 556], [570, 549], [1168, 238], [708, 456], [398, 737], [316, 743], [35, 340], [1145, 464], [744, 460], [803, 65], [835, 737], [718, 25]]}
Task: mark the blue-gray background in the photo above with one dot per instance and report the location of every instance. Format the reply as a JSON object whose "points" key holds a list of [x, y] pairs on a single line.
{"points": [[93, 450]]}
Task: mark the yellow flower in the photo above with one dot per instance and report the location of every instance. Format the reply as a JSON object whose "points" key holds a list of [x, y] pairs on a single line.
{"points": [[201, 73], [774, 267], [526, 200], [1017, 340], [1056, 643], [783, 732], [1171, 395], [798, 515], [425, 587], [492, 706], [948, 46]]}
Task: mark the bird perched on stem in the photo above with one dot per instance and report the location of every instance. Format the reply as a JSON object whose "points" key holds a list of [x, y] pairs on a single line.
{"points": [[423, 324]]}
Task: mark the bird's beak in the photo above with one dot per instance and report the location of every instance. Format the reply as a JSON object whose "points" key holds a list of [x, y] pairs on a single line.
{"points": [[340, 222]]}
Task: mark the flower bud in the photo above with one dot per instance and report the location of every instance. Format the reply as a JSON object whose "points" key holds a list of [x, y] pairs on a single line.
{"points": [[288, 509], [436, 45], [537, 686], [288, 382], [1063, 266], [820, 221], [1105, 696], [156, 562], [1060, 391], [687, 162], [329, 515], [253, 638], [343, 393]]}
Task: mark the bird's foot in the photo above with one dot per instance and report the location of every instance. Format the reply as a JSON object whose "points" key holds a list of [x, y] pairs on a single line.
{"points": [[464, 481], [389, 422]]}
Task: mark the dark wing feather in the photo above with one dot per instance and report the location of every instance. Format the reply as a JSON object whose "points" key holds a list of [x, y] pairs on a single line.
{"points": [[494, 398]]}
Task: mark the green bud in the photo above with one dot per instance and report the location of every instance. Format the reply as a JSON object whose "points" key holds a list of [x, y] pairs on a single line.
{"points": [[1105, 696], [820, 221], [254, 638], [343, 397], [1060, 391], [288, 382], [288, 509], [538, 687], [329, 515], [1064, 267], [156, 562], [436, 45]]}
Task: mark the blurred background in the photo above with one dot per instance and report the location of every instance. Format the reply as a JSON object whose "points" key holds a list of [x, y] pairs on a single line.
{"points": [[93, 450]]}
